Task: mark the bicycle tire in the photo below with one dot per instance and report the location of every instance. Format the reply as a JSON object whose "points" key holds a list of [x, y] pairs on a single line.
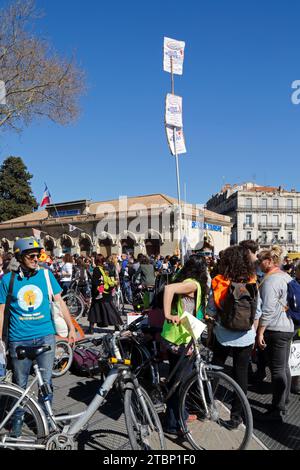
{"points": [[199, 432], [141, 436], [63, 358], [74, 304], [33, 429]]}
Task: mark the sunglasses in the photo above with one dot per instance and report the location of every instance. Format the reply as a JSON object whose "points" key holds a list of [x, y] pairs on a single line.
{"points": [[32, 256]]}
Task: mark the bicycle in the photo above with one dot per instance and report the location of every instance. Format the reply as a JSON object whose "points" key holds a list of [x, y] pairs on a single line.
{"points": [[76, 302], [43, 430], [207, 393], [63, 358], [118, 299]]}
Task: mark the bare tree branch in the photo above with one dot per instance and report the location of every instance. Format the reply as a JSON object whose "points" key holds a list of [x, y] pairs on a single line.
{"points": [[38, 81]]}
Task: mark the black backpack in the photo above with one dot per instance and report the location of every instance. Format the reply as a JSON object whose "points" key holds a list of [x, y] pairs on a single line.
{"points": [[239, 306]]}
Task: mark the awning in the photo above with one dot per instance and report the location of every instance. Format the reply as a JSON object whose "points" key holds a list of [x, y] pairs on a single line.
{"points": [[293, 255]]}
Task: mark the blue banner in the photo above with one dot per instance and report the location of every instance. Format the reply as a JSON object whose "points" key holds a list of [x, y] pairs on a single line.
{"points": [[206, 226]]}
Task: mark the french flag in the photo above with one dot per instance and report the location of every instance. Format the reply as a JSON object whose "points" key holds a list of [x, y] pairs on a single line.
{"points": [[46, 197]]}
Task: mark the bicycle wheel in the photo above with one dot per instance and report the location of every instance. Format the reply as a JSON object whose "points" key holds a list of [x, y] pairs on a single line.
{"points": [[75, 304], [63, 358], [214, 430], [144, 427], [33, 429]]}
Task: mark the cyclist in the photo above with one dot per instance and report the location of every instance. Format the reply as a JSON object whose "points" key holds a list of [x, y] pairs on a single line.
{"points": [[30, 321], [146, 274], [84, 277], [187, 293], [66, 272]]}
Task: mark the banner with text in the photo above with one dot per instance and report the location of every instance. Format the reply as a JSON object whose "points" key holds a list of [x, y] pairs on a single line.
{"points": [[173, 115], [175, 50], [180, 142]]}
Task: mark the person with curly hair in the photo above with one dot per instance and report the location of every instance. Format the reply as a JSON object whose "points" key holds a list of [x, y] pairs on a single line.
{"points": [[186, 293], [235, 266]]}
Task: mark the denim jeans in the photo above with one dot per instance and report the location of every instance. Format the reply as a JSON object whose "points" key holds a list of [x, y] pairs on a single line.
{"points": [[21, 368], [278, 351], [128, 291], [65, 286]]}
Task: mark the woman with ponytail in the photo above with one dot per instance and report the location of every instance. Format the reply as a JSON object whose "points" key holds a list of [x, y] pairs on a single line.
{"points": [[276, 328]]}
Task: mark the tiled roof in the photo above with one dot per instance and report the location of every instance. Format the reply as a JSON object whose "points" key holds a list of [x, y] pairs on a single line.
{"points": [[100, 207], [32, 217], [265, 188], [148, 200]]}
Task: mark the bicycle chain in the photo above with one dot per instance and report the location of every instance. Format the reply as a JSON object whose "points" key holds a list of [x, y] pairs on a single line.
{"points": [[59, 441]]}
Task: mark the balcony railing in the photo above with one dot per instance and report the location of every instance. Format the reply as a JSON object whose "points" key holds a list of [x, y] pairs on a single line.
{"points": [[246, 225], [276, 242], [289, 226], [267, 226], [258, 208]]}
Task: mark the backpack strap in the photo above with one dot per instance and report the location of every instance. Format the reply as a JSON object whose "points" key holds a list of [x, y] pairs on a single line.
{"points": [[7, 309]]}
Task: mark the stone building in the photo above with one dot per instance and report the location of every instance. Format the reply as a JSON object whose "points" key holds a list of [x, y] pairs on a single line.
{"points": [[146, 224], [266, 214]]}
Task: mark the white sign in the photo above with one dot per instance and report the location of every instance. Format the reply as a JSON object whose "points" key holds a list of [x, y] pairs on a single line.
{"points": [[173, 51], [2, 93], [131, 316], [173, 116], [194, 326], [294, 360], [180, 142]]}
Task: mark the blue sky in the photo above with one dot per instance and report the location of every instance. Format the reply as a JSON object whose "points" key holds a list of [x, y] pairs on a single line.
{"points": [[239, 121]]}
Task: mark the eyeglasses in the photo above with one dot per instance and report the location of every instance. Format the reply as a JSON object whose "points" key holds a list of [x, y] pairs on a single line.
{"points": [[32, 256]]}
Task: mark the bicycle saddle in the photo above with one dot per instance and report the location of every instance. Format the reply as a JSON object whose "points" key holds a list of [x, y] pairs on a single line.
{"points": [[31, 352]]}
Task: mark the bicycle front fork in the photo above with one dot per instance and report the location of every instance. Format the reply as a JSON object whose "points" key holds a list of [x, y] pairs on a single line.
{"points": [[142, 401], [211, 409]]}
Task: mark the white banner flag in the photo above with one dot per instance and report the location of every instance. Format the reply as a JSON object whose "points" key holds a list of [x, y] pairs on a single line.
{"points": [[180, 142], [175, 50], [173, 116], [2, 93], [72, 228]]}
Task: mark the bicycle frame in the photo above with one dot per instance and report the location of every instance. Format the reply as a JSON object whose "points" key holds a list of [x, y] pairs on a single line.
{"points": [[81, 418]]}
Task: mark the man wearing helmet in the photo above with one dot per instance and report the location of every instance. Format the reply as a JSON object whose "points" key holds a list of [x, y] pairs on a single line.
{"points": [[30, 320]]}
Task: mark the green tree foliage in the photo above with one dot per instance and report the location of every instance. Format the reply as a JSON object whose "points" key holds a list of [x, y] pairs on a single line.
{"points": [[16, 196]]}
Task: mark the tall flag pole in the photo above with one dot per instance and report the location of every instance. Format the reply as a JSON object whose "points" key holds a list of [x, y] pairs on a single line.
{"points": [[46, 199], [173, 63]]}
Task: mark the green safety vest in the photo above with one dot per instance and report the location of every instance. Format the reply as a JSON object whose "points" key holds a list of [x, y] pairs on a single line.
{"points": [[177, 334]]}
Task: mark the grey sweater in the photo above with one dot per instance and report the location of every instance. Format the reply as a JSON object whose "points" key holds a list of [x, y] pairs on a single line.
{"points": [[273, 296]]}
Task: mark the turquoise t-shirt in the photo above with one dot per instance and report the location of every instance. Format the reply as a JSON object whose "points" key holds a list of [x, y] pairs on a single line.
{"points": [[30, 314]]}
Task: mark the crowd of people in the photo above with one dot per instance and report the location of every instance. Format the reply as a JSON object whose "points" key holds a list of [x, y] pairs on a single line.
{"points": [[243, 294]]}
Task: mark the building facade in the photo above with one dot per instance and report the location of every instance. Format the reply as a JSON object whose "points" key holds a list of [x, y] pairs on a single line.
{"points": [[269, 215], [147, 224]]}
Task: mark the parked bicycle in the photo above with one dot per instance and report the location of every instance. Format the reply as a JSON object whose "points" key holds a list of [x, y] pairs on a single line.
{"points": [[118, 299], [43, 430], [76, 302], [207, 392], [63, 358]]}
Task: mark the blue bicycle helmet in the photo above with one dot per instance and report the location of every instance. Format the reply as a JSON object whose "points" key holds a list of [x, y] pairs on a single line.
{"points": [[24, 244]]}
